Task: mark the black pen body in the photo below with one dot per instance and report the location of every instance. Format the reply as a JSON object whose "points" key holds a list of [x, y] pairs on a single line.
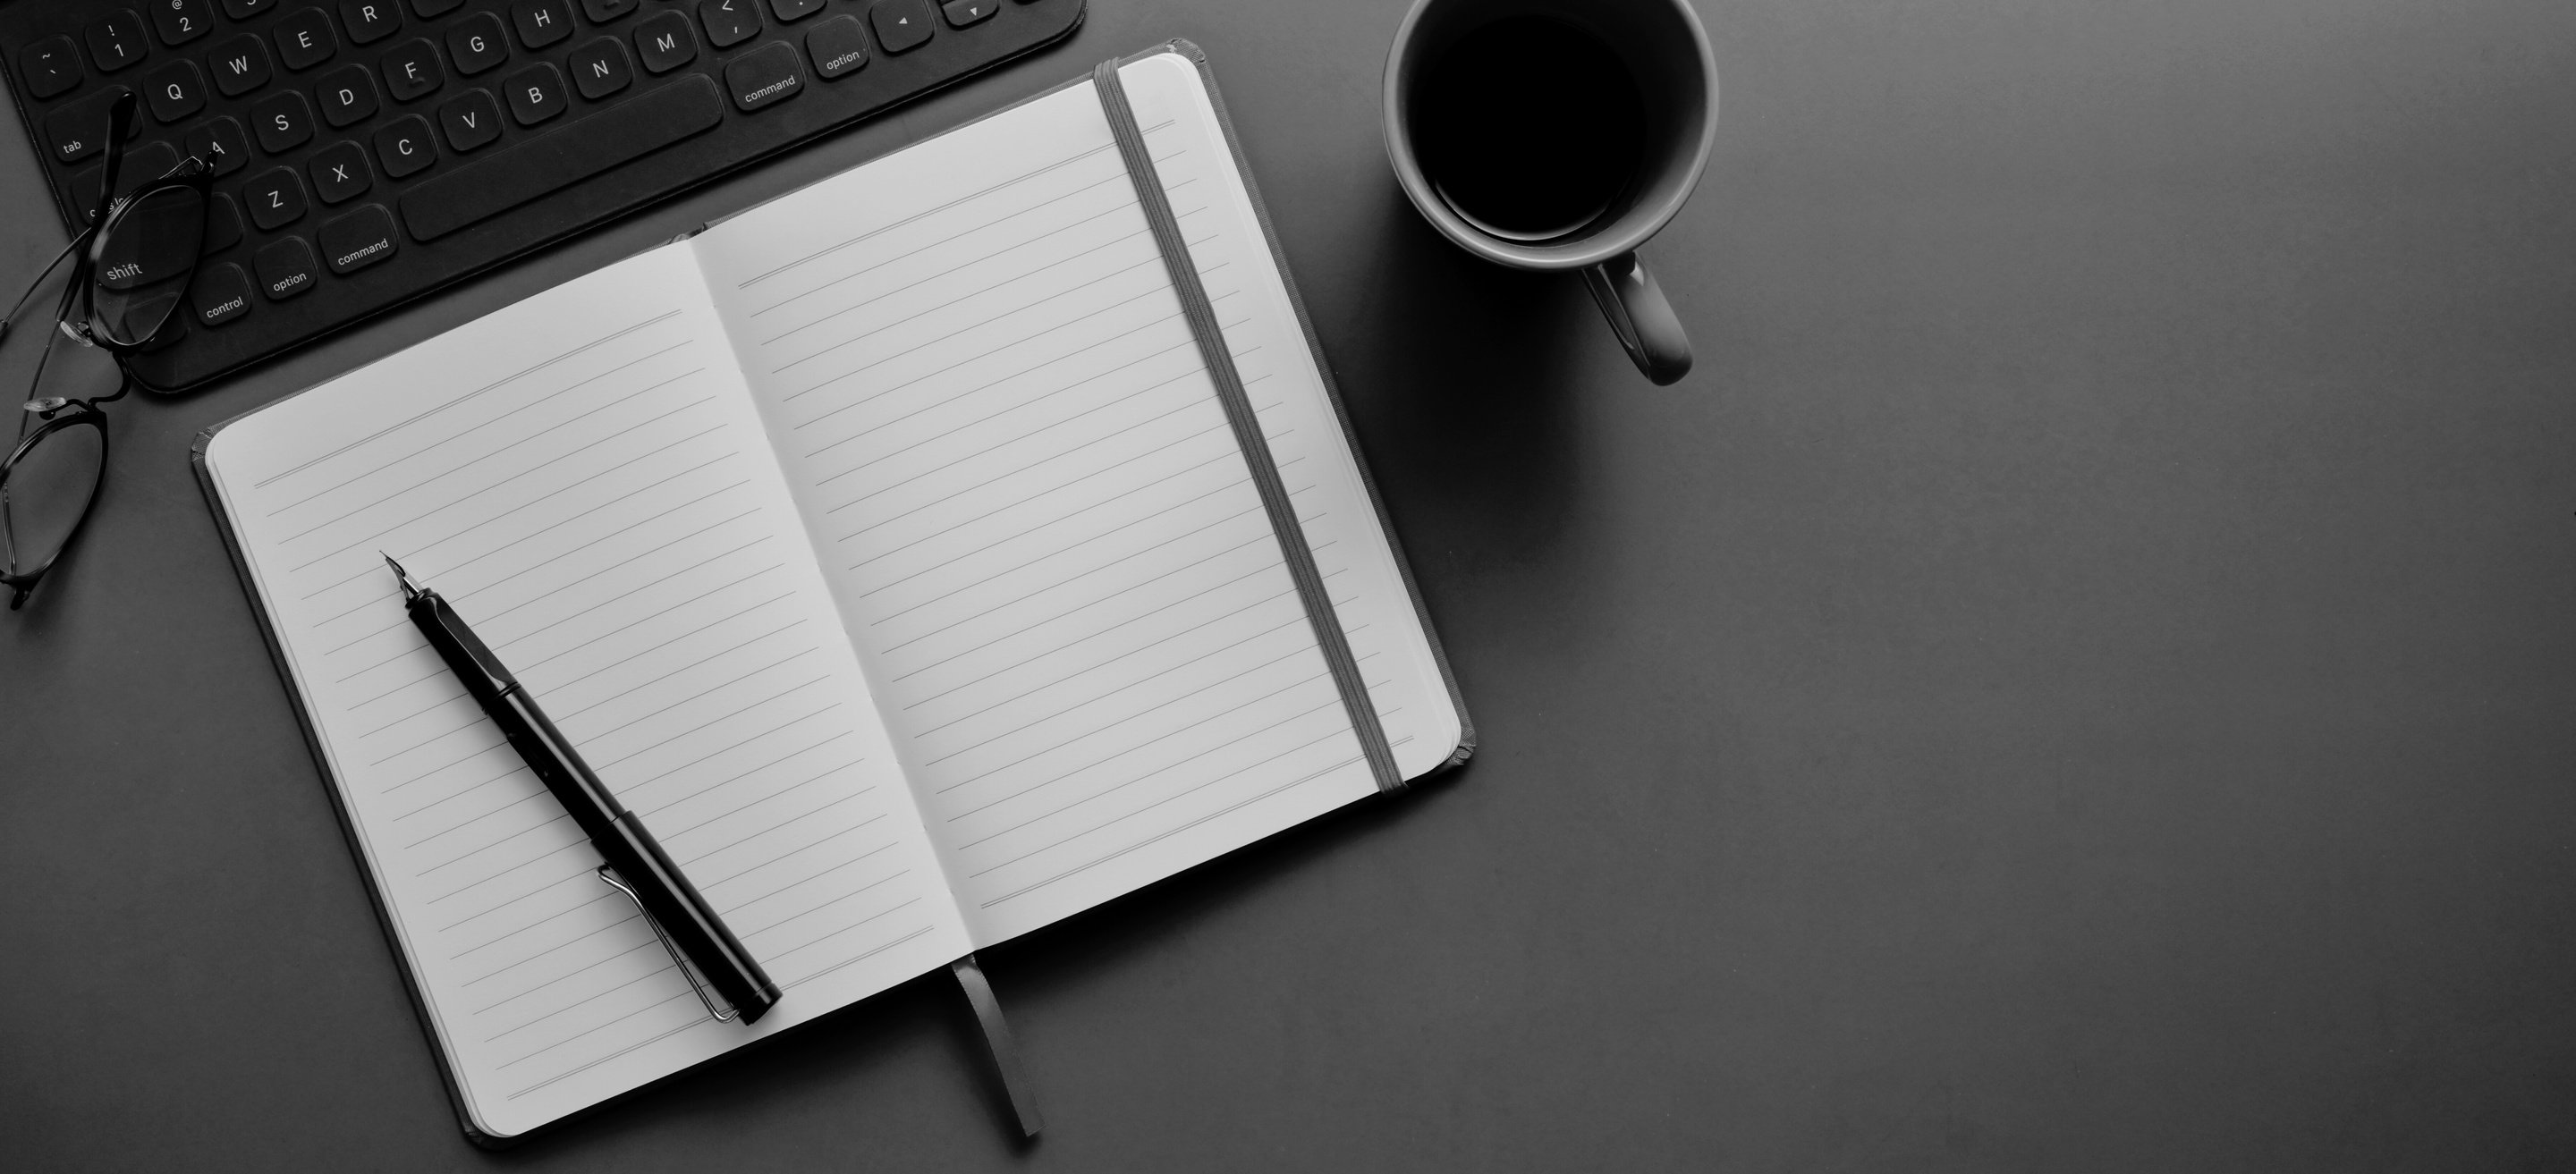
{"points": [[620, 837]]}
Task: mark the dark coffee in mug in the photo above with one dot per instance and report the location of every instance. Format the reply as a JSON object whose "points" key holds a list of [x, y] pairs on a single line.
{"points": [[1530, 127], [1558, 135]]}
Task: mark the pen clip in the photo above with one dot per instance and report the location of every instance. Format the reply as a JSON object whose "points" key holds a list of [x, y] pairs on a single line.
{"points": [[725, 1016]]}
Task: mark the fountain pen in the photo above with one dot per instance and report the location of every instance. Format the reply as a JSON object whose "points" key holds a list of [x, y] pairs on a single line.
{"points": [[686, 923]]}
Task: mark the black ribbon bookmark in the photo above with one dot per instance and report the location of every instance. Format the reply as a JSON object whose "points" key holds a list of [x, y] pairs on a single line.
{"points": [[1248, 436], [1293, 548], [997, 1038]]}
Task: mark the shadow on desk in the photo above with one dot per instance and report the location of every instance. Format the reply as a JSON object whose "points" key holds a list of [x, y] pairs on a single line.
{"points": [[1463, 387]]}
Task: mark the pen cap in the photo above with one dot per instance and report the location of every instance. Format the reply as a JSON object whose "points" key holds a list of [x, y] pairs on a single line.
{"points": [[682, 912], [464, 652]]}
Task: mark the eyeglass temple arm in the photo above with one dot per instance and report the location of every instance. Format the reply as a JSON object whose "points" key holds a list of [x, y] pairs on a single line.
{"points": [[14, 307], [120, 123]]}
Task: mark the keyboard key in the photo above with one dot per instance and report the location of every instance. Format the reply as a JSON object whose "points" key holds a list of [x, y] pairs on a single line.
{"points": [[585, 147], [50, 66], [838, 46], [359, 239], [471, 119], [600, 68], [309, 111], [142, 165], [282, 121], [175, 90], [411, 70], [223, 224], [541, 22], [275, 197], [901, 24], [728, 22], [965, 12], [220, 142], [304, 39], [340, 173], [146, 266], [285, 268], [240, 65], [173, 330], [180, 21], [403, 146], [146, 163], [766, 76], [79, 128], [536, 94], [348, 94], [369, 21], [666, 43], [84, 190], [476, 44], [220, 293], [116, 42]]}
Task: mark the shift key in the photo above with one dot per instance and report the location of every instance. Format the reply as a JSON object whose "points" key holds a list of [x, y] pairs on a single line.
{"points": [[361, 238]]}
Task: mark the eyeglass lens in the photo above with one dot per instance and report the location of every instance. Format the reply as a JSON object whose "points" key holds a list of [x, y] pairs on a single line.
{"points": [[145, 256], [44, 492]]}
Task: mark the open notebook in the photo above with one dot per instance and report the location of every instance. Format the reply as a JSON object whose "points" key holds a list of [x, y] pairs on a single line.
{"points": [[885, 547]]}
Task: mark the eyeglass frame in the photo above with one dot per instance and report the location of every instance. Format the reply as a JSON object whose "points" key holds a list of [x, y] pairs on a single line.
{"points": [[60, 414]]}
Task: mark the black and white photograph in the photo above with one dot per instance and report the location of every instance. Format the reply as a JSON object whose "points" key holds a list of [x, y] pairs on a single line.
{"points": [[1412, 585]]}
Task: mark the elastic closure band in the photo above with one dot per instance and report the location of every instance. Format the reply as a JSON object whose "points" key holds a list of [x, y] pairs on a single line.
{"points": [[1230, 395]]}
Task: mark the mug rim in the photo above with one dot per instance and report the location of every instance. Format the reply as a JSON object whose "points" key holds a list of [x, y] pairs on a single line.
{"points": [[1590, 250]]}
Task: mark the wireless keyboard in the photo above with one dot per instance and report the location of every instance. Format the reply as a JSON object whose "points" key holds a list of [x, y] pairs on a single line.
{"points": [[368, 151]]}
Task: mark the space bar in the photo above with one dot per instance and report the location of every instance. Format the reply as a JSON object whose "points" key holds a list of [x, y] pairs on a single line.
{"points": [[569, 153]]}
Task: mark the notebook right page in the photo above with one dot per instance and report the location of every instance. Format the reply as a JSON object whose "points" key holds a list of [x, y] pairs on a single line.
{"points": [[1036, 522]]}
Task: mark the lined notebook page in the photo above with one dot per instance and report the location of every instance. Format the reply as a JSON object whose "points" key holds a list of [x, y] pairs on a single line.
{"points": [[1033, 515], [1306, 435], [582, 475]]}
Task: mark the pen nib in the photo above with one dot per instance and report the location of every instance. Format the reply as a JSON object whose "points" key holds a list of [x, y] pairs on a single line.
{"points": [[410, 590]]}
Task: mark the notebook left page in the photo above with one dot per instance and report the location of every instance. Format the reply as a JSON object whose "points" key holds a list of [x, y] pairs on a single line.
{"points": [[586, 480]]}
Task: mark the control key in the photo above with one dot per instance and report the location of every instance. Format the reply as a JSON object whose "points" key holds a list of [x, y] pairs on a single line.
{"points": [[220, 293]]}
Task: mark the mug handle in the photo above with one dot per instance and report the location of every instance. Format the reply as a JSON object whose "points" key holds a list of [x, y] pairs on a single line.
{"points": [[1640, 316]]}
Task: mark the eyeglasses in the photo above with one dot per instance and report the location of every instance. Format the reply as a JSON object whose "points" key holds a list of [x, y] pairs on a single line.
{"points": [[133, 264]]}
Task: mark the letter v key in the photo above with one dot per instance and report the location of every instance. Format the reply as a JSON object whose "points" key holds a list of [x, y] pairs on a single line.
{"points": [[471, 119]]}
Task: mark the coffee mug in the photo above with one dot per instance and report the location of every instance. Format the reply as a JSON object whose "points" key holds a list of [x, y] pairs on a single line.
{"points": [[1558, 134]]}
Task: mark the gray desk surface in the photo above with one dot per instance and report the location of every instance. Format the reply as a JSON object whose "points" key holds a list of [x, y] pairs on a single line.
{"points": [[2081, 677]]}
